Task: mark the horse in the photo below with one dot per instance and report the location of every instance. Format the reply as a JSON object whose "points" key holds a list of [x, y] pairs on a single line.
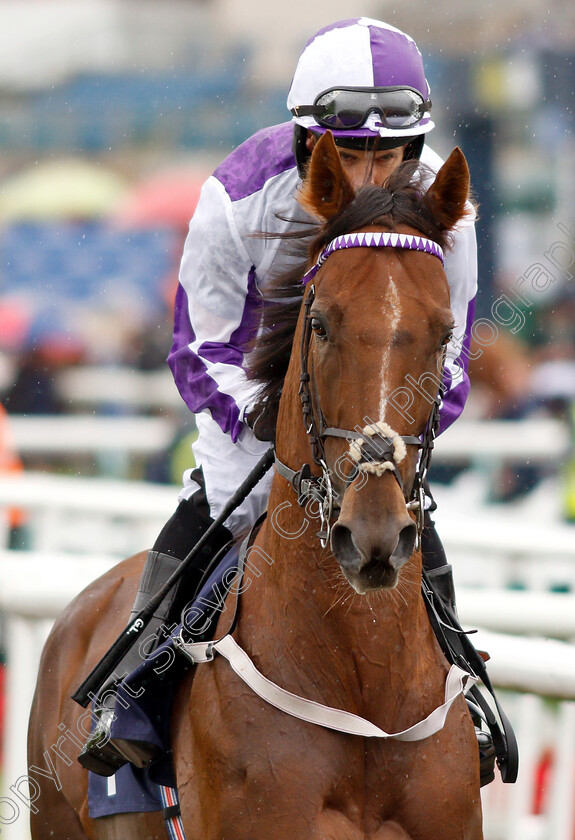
{"points": [[335, 619]]}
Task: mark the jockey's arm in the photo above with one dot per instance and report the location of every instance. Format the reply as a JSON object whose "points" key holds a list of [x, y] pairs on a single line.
{"points": [[217, 315]]}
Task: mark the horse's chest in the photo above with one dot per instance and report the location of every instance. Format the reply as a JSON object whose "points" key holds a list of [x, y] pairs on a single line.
{"points": [[250, 772], [263, 764]]}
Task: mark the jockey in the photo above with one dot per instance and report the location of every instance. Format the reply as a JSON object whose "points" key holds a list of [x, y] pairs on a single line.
{"points": [[363, 80]]}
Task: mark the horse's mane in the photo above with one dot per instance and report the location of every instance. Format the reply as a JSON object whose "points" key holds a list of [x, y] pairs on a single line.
{"points": [[399, 203]]}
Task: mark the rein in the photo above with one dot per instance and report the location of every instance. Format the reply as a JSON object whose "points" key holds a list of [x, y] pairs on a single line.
{"points": [[379, 448]]}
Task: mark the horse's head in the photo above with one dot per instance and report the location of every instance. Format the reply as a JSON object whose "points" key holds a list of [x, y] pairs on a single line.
{"points": [[368, 354]]}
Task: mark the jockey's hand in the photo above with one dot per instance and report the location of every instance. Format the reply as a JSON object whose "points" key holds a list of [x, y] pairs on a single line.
{"points": [[258, 419]]}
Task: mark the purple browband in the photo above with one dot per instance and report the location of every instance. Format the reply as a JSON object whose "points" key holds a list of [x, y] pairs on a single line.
{"points": [[375, 240]]}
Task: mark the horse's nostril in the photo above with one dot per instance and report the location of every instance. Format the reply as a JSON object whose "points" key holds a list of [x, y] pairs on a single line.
{"points": [[405, 546], [353, 556], [344, 548]]}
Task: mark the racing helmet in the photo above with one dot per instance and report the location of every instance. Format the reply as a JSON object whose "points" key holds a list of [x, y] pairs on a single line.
{"points": [[363, 80]]}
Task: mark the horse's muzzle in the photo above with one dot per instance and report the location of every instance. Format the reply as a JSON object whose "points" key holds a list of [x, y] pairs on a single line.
{"points": [[372, 563]]}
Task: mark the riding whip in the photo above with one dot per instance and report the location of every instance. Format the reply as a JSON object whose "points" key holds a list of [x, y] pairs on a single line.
{"points": [[129, 636]]}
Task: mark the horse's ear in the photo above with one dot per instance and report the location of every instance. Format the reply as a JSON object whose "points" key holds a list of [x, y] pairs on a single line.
{"points": [[447, 195], [326, 189]]}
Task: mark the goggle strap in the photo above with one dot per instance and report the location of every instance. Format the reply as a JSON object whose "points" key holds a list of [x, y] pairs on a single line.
{"points": [[305, 110]]}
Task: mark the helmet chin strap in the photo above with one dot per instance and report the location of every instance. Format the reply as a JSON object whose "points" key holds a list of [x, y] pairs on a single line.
{"points": [[300, 150]]}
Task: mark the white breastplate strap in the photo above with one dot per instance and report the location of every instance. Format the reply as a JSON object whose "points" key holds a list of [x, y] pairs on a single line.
{"points": [[457, 682]]}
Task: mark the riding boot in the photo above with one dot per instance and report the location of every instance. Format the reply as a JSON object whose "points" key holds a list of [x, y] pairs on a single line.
{"points": [[441, 581], [101, 754]]}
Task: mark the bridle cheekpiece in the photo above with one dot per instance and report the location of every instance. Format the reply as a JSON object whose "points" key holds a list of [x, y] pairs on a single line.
{"points": [[376, 444]]}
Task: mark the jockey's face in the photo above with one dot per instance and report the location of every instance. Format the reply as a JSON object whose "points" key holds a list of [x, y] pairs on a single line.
{"points": [[365, 167]]}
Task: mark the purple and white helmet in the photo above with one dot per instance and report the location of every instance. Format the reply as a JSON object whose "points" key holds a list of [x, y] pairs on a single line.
{"points": [[361, 78]]}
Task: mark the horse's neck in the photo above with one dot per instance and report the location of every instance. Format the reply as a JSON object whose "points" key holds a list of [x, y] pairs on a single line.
{"points": [[318, 624], [304, 623]]}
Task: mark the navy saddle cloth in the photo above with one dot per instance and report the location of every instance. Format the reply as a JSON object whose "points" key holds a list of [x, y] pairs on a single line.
{"points": [[144, 704]]}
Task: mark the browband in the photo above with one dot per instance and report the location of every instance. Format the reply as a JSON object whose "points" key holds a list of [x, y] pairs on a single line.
{"points": [[383, 239]]}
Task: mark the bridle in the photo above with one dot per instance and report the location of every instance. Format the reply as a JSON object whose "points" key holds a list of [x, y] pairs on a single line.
{"points": [[376, 447]]}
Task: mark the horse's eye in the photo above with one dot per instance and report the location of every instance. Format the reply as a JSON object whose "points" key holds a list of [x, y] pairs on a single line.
{"points": [[318, 328], [447, 338]]}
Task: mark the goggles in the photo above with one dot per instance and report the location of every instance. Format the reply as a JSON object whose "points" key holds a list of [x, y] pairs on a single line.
{"points": [[350, 107]]}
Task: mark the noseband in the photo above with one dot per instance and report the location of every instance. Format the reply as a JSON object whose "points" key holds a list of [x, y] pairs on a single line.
{"points": [[375, 445]]}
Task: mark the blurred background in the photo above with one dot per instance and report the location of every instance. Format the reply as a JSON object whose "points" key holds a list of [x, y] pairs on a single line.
{"points": [[112, 113]]}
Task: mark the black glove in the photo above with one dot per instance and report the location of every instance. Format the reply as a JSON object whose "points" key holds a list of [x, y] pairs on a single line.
{"points": [[260, 420]]}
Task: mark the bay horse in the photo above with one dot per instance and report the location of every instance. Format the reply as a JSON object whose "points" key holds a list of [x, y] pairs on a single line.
{"points": [[340, 620]]}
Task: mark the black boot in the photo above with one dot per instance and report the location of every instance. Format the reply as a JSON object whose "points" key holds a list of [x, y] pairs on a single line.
{"points": [[101, 754], [440, 576], [441, 581]]}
